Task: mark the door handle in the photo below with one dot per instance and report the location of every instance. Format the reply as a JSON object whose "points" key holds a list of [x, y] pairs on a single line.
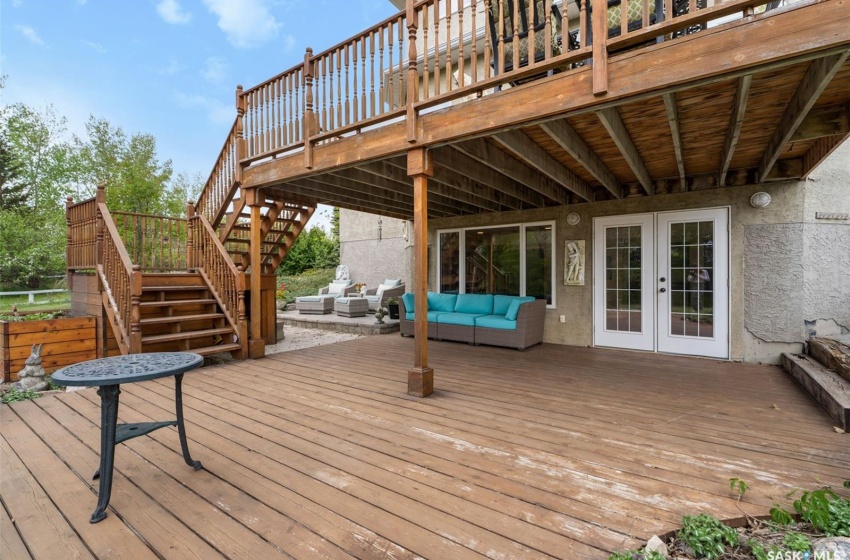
{"points": [[662, 290]]}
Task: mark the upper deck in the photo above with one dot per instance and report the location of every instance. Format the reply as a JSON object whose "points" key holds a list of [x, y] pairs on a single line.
{"points": [[719, 94]]}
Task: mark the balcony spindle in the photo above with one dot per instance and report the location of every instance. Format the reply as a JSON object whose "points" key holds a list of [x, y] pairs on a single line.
{"points": [[460, 44], [449, 64], [437, 47], [310, 127], [474, 57], [412, 72]]}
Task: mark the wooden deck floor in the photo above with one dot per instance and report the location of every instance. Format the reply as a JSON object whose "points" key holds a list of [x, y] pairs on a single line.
{"points": [[553, 452]]}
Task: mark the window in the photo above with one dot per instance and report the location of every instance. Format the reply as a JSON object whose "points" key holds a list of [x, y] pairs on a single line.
{"points": [[511, 260]]}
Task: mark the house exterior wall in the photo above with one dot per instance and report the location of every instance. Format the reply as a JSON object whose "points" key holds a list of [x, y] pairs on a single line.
{"points": [[372, 258]]}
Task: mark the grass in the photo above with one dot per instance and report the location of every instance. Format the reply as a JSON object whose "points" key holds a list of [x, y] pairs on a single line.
{"points": [[306, 284], [44, 302]]}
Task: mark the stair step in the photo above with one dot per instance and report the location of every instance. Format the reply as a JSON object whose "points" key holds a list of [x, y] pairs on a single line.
{"points": [[204, 288], [206, 350], [175, 302], [170, 337], [181, 318]]}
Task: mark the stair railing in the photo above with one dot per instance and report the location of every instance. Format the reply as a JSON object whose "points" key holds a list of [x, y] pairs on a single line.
{"points": [[223, 182], [122, 284], [210, 258], [81, 248]]}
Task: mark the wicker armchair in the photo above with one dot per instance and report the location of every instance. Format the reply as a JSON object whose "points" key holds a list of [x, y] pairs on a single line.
{"points": [[375, 301]]}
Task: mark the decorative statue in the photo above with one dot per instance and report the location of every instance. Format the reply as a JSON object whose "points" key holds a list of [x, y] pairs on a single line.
{"points": [[574, 270], [342, 272], [380, 313], [32, 376]]}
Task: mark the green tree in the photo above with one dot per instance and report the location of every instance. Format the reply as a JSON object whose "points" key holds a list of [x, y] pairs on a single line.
{"points": [[13, 191], [313, 249], [129, 166]]}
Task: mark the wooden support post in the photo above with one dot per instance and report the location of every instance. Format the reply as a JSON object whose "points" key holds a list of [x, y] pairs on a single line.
{"points": [[135, 312], [599, 16], [99, 198], [412, 73], [241, 314], [310, 128], [70, 247], [420, 378], [257, 346]]}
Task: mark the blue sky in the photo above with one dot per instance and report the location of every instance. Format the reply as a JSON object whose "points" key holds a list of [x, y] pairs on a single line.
{"points": [[165, 67]]}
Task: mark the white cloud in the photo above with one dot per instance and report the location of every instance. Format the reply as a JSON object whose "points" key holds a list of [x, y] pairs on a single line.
{"points": [[218, 112], [247, 23], [172, 12], [96, 46], [215, 70], [171, 69], [30, 33]]}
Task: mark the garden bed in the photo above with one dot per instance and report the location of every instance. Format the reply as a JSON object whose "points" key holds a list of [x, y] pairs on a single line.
{"points": [[66, 340]]}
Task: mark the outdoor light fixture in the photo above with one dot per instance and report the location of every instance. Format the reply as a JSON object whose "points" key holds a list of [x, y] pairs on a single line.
{"points": [[760, 200], [573, 218]]}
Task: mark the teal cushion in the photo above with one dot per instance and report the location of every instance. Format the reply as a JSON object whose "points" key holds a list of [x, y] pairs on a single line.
{"points": [[501, 304], [495, 322], [432, 315], [513, 310], [441, 302], [408, 301], [478, 304], [464, 319]]}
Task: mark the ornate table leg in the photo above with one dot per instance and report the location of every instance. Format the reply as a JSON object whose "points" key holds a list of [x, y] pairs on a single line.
{"points": [[108, 420], [181, 430]]}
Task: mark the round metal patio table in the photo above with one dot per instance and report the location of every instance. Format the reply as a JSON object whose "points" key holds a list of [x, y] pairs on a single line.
{"points": [[108, 374]]}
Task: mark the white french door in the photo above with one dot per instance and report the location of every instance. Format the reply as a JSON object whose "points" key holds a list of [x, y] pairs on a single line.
{"points": [[661, 282]]}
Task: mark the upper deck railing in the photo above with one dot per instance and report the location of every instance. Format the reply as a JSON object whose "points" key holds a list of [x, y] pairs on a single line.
{"points": [[437, 52]]}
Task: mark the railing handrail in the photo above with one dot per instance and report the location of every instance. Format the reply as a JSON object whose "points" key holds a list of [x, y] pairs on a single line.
{"points": [[112, 230], [155, 216], [82, 202], [218, 245]]}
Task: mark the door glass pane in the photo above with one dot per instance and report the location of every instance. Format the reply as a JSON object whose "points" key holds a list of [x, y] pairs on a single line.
{"points": [[692, 279], [538, 262], [450, 262], [624, 259], [492, 261]]}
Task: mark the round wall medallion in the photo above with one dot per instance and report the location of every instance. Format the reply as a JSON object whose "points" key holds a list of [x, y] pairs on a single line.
{"points": [[573, 218]]}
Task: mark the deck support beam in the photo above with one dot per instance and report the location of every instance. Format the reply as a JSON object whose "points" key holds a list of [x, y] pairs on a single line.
{"points": [[817, 77], [256, 343], [613, 123], [736, 120], [420, 378]]}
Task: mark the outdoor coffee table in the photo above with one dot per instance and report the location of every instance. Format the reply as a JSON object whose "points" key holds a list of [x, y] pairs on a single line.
{"points": [[108, 374]]}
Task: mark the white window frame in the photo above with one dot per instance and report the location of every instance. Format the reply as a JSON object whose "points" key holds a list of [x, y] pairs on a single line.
{"points": [[522, 248]]}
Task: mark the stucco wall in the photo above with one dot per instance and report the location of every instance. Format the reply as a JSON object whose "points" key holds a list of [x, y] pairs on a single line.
{"points": [[789, 272], [370, 259]]}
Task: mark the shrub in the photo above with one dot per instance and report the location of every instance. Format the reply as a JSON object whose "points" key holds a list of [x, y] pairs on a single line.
{"points": [[707, 536], [307, 283]]}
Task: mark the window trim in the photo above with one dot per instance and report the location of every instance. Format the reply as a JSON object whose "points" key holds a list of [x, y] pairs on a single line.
{"points": [[522, 248]]}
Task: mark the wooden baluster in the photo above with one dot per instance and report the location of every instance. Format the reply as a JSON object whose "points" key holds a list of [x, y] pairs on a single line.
{"points": [[437, 47], [474, 57], [547, 36], [515, 20], [339, 107], [241, 312], [645, 13], [71, 251], [402, 78], [381, 90], [582, 25], [346, 64], [241, 145], [488, 40], [190, 237], [624, 18], [668, 11], [363, 113], [500, 64], [329, 69], [355, 101], [460, 44], [372, 68], [449, 65], [692, 6], [531, 34], [309, 114], [412, 72], [426, 64], [255, 146], [135, 312], [323, 113], [298, 115], [390, 81]]}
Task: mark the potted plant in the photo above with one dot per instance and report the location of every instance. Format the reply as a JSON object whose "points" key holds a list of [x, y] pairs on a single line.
{"points": [[392, 305]]}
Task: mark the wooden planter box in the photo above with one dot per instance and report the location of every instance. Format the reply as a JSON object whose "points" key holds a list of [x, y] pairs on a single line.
{"points": [[66, 341]]}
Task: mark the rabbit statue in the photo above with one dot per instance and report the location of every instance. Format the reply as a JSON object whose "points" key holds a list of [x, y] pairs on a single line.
{"points": [[32, 376]]}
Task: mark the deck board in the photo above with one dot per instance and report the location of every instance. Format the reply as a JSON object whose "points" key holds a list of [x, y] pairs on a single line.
{"points": [[555, 452]]}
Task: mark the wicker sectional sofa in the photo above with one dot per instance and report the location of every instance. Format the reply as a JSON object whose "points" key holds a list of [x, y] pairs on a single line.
{"points": [[496, 320]]}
